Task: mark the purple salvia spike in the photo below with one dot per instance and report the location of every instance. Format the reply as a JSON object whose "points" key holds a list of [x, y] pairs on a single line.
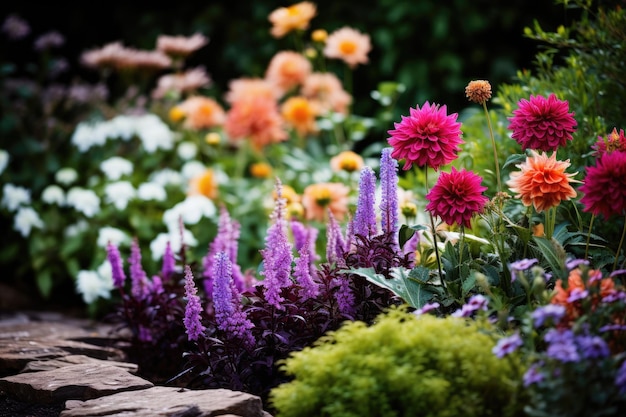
{"points": [[300, 233], [169, 262], [229, 314], [277, 256], [117, 269], [344, 296], [302, 272], [312, 238], [365, 216], [156, 287], [336, 245], [410, 247], [389, 195], [193, 309], [140, 287]]}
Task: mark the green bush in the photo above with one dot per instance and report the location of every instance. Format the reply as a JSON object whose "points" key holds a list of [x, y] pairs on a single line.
{"points": [[403, 365]]}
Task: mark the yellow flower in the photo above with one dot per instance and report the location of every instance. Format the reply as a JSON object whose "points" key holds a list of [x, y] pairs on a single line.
{"points": [[176, 114], [212, 138], [204, 184], [289, 194], [319, 35], [295, 17], [346, 161], [300, 113], [260, 170]]}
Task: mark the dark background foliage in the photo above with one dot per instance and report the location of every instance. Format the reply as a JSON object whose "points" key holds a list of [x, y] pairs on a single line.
{"points": [[434, 48]]}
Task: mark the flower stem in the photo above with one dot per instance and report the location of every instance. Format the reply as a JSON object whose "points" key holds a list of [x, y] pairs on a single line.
{"points": [[434, 233], [550, 219], [493, 145], [619, 247], [593, 216]]}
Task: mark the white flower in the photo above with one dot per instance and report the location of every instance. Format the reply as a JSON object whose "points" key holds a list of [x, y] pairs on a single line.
{"points": [[123, 126], [87, 135], [25, 219], [151, 191], [115, 167], [157, 246], [191, 210], [119, 194], [154, 134], [76, 228], [53, 194], [192, 169], [4, 160], [187, 150], [14, 196], [111, 234], [83, 200], [167, 177], [92, 285], [66, 176]]}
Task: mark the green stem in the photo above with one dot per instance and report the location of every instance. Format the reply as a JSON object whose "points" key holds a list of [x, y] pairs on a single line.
{"points": [[461, 239], [434, 233], [593, 216], [493, 145], [550, 219], [619, 247]]}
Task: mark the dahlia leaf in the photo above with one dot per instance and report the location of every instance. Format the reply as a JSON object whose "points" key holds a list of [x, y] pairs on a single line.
{"points": [[549, 253]]}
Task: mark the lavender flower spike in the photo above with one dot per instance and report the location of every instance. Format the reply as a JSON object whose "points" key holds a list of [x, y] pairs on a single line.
{"points": [[169, 262], [193, 309], [302, 272], [229, 314], [365, 217], [140, 286], [277, 256], [389, 194], [113, 255], [335, 242]]}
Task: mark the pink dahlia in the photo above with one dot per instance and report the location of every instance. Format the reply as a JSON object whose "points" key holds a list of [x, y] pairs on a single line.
{"points": [[456, 197], [604, 187], [427, 137], [542, 123], [612, 142]]}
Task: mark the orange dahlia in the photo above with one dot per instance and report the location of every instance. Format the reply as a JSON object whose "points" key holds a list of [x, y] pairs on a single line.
{"points": [[321, 197], [294, 17], [542, 181]]}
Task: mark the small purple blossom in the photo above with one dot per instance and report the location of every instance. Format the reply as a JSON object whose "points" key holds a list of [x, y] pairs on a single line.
{"points": [[335, 242], [344, 296], [475, 303], [389, 194], [507, 345], [592, 347], [575, 263], [577, 294], [117, 270], [365, 217], [193, 309], [614, 296], [410, 247], [520, 266], [300, 233], [15, 27], [140, 286], [302, 272], [144, 334], [561, 345], [156, 287], [553, 312], [620, 378], [52, 39], [169, 262], [427, 308], [533, 375]]}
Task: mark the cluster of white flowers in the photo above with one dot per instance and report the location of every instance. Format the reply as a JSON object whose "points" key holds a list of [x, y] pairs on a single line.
{"points": [[95, 284], [17, 200], [149, 128]]}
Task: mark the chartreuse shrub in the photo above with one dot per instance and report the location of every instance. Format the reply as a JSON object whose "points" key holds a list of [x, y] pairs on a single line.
{"points": [[402, 365]]}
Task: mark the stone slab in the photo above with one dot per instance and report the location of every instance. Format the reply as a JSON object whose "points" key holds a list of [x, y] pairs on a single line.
{"points": [[49, 365]]}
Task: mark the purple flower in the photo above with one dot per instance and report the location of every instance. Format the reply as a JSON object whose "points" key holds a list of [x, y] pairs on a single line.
{"points": [[475, 303], [427, 308], [507, 345], [302, 272], [575, 263], [169, 262], [228, 311], [614, 296], [144, 334], [113, 254], [620, 378], [577, 294], [193, 309], [300, 234], [15, 27], [156, 287], [140, 287], [364, 221], [561, 345], [593, 347], [49, 40], [554, 312], [410, 247], [520, 266], [344, 296], [533, 375], [335, 242], [389, 194]]}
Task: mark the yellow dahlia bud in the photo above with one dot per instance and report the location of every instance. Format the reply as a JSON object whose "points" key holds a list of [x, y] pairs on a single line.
{"points": [[260, 170], [478, 91], [176, 114], [212, 138], [409, 210], [319, 35]]}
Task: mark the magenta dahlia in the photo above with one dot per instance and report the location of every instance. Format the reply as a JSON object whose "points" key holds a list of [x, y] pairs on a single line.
{"points": [[542, 123], [604, 187], [456, 197], [427, 137]]}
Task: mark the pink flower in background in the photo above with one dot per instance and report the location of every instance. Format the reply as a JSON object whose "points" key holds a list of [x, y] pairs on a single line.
{"points": [[427, 137], [542, 123], [244, 88], [180, 83], [294, 17], [612, 142], [457, 197], [15, 27], [604, 187], [257, 119], [181, 46], [287, 69], [325, 89], [117, 56], [349, 45]]}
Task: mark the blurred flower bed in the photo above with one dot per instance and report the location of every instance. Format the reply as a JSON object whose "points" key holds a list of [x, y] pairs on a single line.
{"points": [[245, 237]]}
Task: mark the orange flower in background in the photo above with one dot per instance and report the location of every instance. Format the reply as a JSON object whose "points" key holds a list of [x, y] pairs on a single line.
{"points": [[181, 83], [319, 35], [300, 113], [326, 91], [260, 170], [256, 119], [289, 194], [287, 69], [202, 112], [294, 17], [317, 199], [542, 181], [347, 161], [349, 45], [204, 184], [244, 88], [577, 288]]}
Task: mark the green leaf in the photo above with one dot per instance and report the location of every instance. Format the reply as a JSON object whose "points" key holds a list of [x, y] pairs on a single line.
{"points": [[413, 287], [549, 253], [44, 282]]}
